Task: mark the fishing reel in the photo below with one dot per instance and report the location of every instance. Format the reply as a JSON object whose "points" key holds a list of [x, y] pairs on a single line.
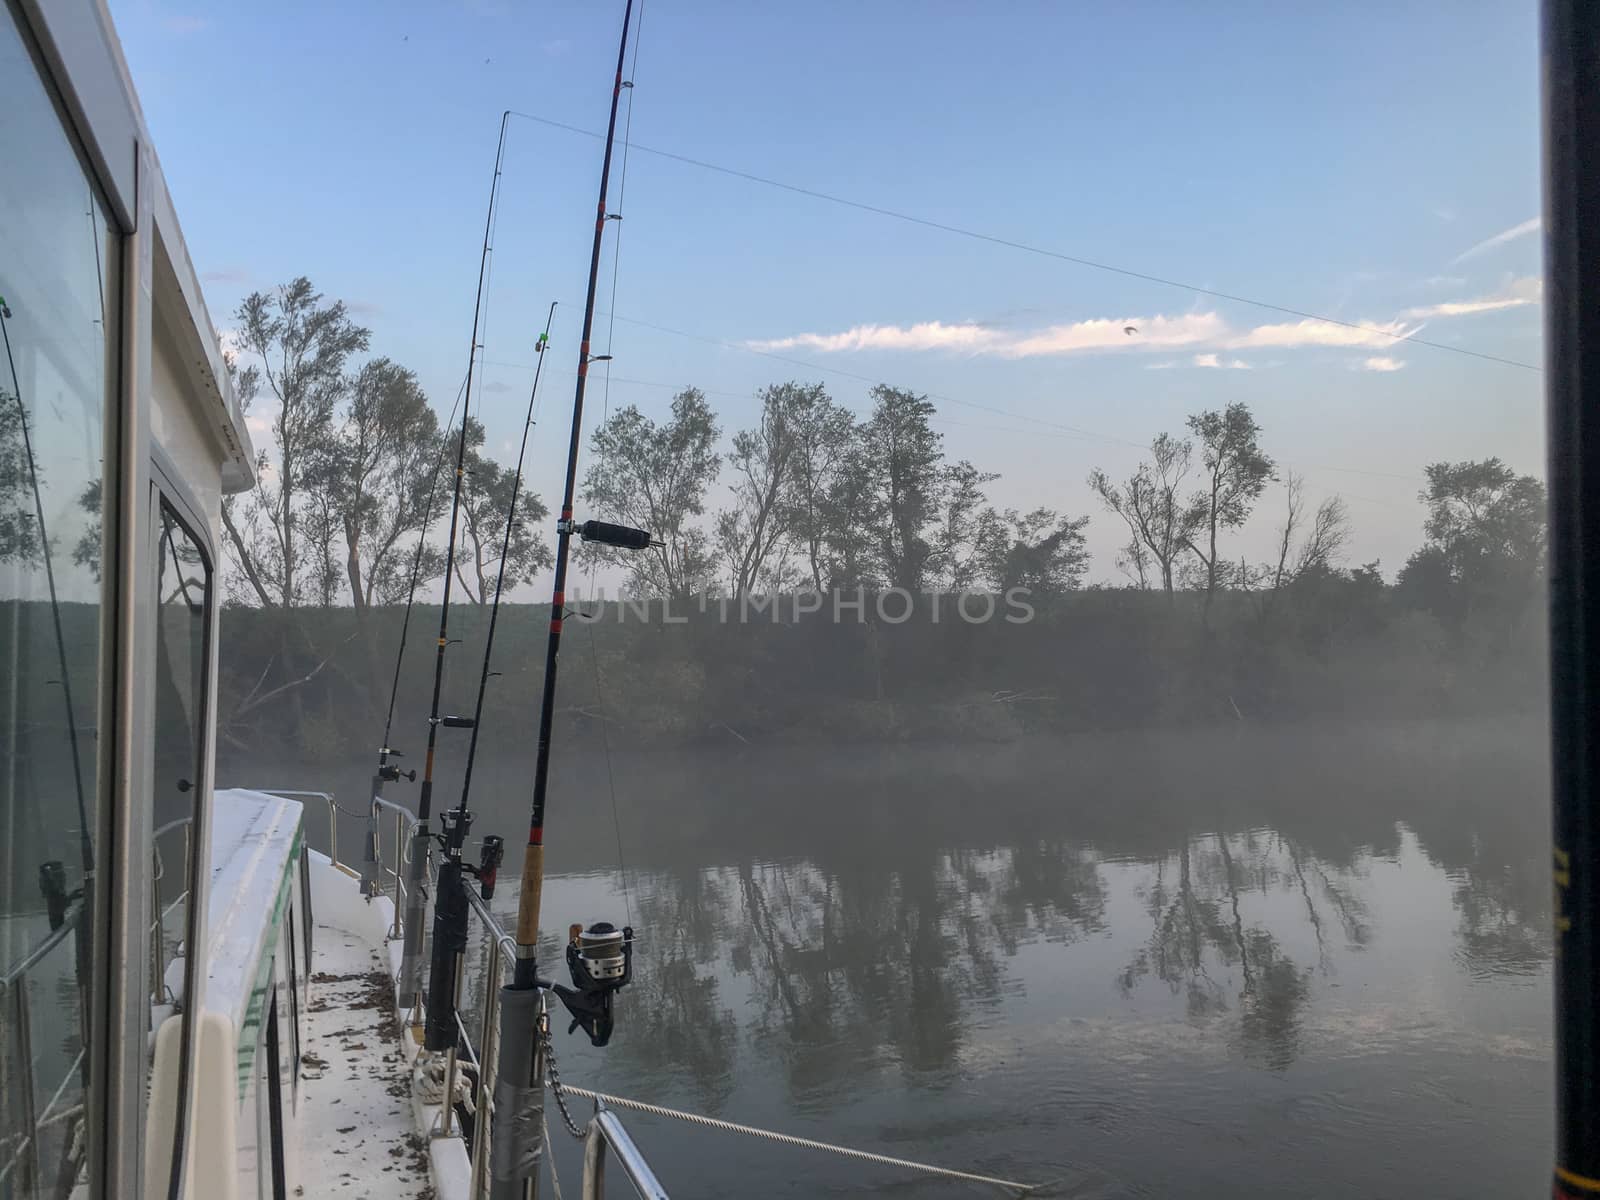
{"points": [[600, 961]]}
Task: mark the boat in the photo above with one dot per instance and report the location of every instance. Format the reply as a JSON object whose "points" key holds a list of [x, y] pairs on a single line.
{"points": [[200, 989]]}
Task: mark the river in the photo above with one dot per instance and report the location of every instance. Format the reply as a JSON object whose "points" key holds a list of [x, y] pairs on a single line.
{"points": [[1309, 961]]}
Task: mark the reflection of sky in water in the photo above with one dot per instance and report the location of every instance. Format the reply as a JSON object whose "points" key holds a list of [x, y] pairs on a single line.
{"points": [[1366, 1050]]}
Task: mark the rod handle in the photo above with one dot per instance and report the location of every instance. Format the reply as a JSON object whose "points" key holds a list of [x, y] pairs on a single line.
{"points": [[607, 534], [532, 888], [457, 722]]}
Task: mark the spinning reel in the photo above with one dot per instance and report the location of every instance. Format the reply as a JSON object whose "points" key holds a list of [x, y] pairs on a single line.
{"points": [[600, 960]]}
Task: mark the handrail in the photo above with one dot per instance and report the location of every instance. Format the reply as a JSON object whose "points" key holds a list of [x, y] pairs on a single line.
{"points": [[56, 937], [606, 1130], [502, 948]]}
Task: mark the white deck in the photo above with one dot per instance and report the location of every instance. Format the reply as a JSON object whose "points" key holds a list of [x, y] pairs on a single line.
{"points": [[358, 1139]]}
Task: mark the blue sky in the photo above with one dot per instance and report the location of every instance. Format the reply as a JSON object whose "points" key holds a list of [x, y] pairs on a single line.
{"points": [[1345, 160]]}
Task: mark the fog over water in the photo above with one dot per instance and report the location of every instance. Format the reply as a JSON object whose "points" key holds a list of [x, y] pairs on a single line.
{"points": [[1212, 962]]}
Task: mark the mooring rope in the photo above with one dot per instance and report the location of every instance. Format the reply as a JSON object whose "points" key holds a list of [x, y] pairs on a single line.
{"points": [[1020, 1189]]}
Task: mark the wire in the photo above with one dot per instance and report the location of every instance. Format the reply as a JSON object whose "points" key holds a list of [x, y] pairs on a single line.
{"points": [[1043, 252], [622, 192]]}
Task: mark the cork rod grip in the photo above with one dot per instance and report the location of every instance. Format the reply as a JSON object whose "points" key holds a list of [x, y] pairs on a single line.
{"points": [[532, 888]]}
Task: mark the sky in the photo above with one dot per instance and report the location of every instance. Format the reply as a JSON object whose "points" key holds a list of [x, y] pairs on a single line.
{"points": [[1370, 164]]}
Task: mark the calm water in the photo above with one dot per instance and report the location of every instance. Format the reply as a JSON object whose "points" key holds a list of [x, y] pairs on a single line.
{"points": [[1305, 962]]}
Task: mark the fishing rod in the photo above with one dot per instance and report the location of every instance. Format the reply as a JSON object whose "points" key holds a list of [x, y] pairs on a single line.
{"points": [[416, 898], [527, 933], [387, 772], [450, 899], [372, 874]]}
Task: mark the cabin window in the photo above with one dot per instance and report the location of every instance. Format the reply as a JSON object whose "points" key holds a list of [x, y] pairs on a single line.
{"points": [[58, 313], [183, 616]]}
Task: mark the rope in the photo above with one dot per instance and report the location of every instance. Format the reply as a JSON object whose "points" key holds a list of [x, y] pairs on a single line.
{"points": [[654, 1110]]}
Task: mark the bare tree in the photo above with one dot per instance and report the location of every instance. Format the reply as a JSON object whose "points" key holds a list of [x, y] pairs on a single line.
{"points": [[1150, 504]]}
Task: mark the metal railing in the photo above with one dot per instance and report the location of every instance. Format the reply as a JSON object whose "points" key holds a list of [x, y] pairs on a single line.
{"points": [[606, 1130], [485, 989]]}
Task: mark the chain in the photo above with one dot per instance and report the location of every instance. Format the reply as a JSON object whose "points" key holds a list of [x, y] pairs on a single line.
{"points": [[553, 1073]]}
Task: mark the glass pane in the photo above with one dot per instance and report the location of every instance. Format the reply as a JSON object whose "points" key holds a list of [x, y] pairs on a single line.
{"points": [[57, 289], [183, 582]]}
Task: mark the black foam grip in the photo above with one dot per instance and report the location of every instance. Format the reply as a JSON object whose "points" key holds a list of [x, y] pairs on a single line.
{"points": [[457, 722], [608, 534]]}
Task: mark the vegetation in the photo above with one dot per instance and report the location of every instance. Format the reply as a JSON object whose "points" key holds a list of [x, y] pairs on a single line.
{"points": [[818, 502]]}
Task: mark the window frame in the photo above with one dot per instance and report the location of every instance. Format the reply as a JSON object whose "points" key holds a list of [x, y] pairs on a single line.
{"points": [[169, 498]]}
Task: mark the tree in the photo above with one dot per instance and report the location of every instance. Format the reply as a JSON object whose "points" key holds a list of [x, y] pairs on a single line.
{"points": [[374, 470], [485, 502], [21, 539], [970, 532], [1042, 551], [904, 461], [302, 345], [1319, 548], [1485, 539], [762, 460], [1234, 473], [655, 477], [1159, 522], [821, 435]]}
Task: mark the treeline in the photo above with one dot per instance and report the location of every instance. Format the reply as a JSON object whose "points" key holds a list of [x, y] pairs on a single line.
{"points": [[819, 500]]}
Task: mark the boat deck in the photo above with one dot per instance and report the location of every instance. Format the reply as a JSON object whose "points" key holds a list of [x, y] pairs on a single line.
{"points": [[357, 1136]]}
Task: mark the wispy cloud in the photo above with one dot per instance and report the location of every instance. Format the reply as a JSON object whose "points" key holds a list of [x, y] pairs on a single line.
{"points": [[556, 47], [225, 275], [494, 385], [363, 308], [1207, 335], [1531, 225], [1144, 333], [1518, 293], [1382, 362], [1298, 334], [184, 24], [929, 335]]}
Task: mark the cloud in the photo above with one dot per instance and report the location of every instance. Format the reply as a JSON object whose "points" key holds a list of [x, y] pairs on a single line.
{"points": [[225, 275], [363, 308], [1519, 292], [930, 335], [556, 47], [496, 386], [1312, 332], [258, 425], [1444, 213], [1382, 362], [1203, 333], [182, 24], [1107, 334], [1531, 225], [228, 342]]}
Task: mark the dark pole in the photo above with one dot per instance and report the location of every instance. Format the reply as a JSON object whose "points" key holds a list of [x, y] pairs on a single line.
{"points": [[533, 856], [1571, 85], [411, 956]]}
